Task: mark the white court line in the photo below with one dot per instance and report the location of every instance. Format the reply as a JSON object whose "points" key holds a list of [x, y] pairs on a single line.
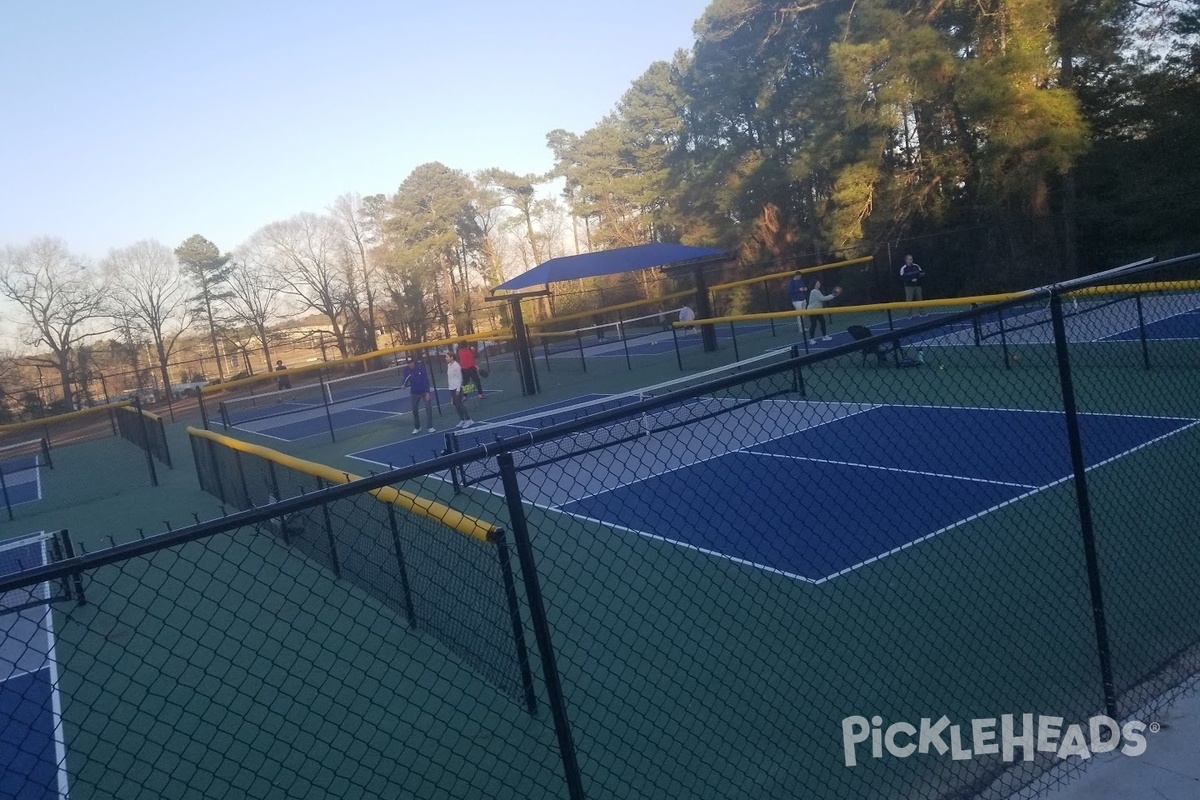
{"points": [[865, 407], [34, 477], [1034, 489], [325, 429], [47, 625], [893, 469], [998, 506], [686, 546]]}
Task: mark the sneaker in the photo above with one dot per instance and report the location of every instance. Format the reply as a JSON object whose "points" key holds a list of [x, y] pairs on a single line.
{"points": [[433, 430], [460, 425], [417, 430], [826, 338], [468, 423]]}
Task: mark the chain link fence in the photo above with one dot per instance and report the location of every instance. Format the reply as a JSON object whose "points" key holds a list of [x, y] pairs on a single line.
{"points": [[828, 575]]}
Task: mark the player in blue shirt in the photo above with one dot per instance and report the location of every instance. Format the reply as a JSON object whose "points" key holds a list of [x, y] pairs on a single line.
{"points": [[417, 380], [912, 275]]}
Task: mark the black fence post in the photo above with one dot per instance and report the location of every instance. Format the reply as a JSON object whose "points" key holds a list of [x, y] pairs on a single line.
{"points": [[76, 577], [409, 611], [241, 469], [203, 411], [541, 626], [166, 447], [141, 421], [1142, 332], [1079, 470], [328, 519], [514, 614]]}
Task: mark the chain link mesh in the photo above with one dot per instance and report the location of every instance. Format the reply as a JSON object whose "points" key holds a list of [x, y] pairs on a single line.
{"points": [[849, 577]]}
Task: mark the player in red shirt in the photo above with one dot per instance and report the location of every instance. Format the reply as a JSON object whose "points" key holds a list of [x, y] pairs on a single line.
{"points": [[470, 369]]}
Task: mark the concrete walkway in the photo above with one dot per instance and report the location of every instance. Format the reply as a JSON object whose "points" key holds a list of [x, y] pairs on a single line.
{"points": [[1168, 770]]}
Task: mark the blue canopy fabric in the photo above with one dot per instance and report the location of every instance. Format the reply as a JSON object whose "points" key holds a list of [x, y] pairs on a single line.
{"points": [[607, 262]]}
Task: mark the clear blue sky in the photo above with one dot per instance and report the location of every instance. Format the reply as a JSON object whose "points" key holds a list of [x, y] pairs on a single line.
{"points": [[133, 119]]}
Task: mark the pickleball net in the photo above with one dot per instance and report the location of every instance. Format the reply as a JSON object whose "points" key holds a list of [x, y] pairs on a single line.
{"points": [[614, 332], [448, 574], [313, 397], [613, 424]]}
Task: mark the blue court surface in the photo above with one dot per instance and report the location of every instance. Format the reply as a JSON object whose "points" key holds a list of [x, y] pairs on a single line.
{"points": [[1180, 326], [23, 484], [772, 466], [32, 753]]}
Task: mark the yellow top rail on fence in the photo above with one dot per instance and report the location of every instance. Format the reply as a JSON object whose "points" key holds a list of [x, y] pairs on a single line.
{"points": [[267, 377], [430, 509], [14, 427], [1121, 288]]}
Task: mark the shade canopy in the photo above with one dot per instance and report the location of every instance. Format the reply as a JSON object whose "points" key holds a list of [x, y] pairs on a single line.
{"points": [[608, 262]]}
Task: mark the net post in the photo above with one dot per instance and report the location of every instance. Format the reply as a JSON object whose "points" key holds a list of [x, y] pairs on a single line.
{"points": [[514, 613], [767, 306], [112, 420], [1142, 331], [976, 329], [409, 611], [582, 358], [624, 339], [541, 627], [141, 421], [797, 374], [452, 447], [733, 335], [4, 491], [546, 351], [45, 445], [432, 381], [1079, 471], [76, 577], [678, 354], [1003, 339], [328, 519], [325, 403]]}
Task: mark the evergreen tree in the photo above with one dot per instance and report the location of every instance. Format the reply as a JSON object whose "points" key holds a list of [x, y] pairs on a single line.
{"points": [[208, 271]]}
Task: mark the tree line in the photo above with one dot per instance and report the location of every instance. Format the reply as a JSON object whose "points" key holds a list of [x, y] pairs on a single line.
{"points": [[1008, 143]]}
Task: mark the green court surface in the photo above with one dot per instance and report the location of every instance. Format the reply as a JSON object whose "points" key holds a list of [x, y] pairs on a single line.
{"points": [[232, 666]]}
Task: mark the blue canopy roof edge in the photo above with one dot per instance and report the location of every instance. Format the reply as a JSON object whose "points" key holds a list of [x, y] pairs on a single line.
{"points": [[608, 262]]}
